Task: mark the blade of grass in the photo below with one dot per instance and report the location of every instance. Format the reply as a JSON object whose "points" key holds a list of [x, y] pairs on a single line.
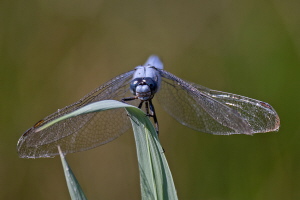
{"points": [[75, 190], [155, 175]]}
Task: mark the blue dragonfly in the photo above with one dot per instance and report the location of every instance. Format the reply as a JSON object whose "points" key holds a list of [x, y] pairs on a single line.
{"points": [[192, 105]]}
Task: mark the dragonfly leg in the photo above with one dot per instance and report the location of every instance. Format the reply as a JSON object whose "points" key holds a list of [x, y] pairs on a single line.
{"points": [[140, 105], [153, 114], [147, 109], [155, 120], [128, 99]]}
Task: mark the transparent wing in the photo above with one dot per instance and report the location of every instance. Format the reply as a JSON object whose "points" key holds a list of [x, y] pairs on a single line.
{"points": [[213, 111], [81, 132]]}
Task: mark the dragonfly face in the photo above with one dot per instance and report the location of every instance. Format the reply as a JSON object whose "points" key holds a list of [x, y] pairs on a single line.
{"points": [[143, 88], [146, 79]]}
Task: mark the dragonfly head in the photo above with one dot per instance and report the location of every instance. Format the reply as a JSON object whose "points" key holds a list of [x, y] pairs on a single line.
{"points": [[143, 88]]}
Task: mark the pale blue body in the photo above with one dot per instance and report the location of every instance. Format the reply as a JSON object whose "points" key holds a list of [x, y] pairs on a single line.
{"points": [[148, 70]]}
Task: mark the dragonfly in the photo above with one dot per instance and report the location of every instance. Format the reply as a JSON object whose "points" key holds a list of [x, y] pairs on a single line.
{"points": [[193, 105]]}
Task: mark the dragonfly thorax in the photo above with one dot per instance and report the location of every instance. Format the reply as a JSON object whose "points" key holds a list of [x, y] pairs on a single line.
{"points": [[143, 88]]}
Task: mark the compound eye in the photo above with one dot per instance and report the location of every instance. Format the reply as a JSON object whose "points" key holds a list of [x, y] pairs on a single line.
{"points": [[134, 83], [152, 84]]}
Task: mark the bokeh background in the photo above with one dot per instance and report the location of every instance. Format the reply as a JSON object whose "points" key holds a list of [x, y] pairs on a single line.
{"points": [[54, 52]]}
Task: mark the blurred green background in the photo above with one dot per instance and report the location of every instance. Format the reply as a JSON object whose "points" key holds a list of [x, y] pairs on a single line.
{"points": [[54, 52]]}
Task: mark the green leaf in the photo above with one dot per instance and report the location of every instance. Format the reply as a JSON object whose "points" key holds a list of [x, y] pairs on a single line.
{"points": [[155, 176], [75, 190]]}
